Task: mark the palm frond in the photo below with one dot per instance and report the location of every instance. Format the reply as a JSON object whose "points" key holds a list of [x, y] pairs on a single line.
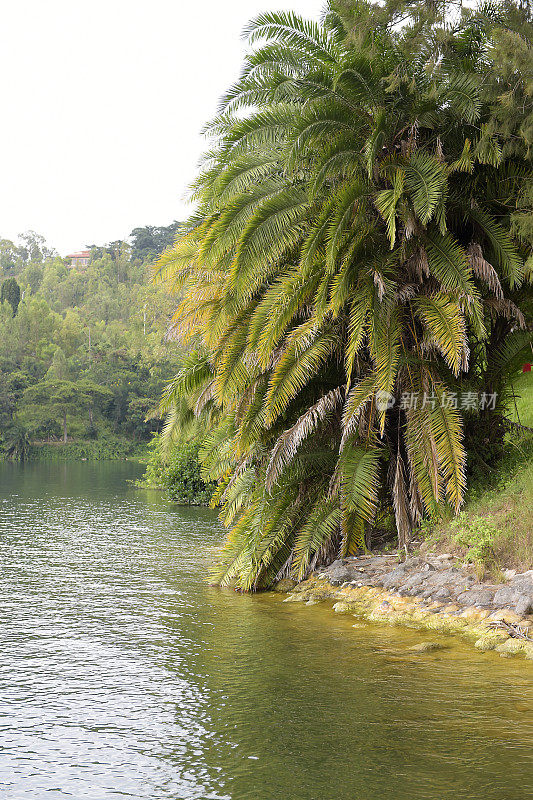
{"points": [[445, 326], [359, 468], [290, 440]]}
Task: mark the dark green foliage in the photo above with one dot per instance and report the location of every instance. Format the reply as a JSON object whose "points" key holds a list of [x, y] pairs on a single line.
{"points": [[17, 444], [179, 475], [109, 449], [58, 397], [150, 241], [48, 429], [10, 293], [182, 478]]}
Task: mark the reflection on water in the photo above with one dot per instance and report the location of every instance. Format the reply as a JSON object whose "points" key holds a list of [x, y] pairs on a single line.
{"points": [[123, 675]]}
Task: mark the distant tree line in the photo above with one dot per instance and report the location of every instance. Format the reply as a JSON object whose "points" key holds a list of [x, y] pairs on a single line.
{"points": [[84, 354]]}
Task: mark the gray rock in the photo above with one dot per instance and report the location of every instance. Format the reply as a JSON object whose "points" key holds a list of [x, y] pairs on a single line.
{"points": [[527, 574], [506, 596], [462, 584], [522, 584], [415, 579], [414, 561], [475, 597], [337, 573], [524, 605], [434, 578], [382, 561], [445, 576], [450, 579], [394, 579]]}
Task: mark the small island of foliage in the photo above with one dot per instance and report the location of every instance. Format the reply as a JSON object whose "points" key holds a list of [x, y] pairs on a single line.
{"points": [[354, 287]]}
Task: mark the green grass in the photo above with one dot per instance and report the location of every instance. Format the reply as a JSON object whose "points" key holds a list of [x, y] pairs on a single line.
{"points": [[523, 389], [495, 530]]}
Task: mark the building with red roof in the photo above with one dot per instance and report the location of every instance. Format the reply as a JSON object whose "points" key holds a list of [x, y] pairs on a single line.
{"points": [[80, 259]]}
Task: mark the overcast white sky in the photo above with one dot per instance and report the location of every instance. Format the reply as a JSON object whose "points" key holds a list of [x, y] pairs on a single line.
{"points": [[102, 107]]}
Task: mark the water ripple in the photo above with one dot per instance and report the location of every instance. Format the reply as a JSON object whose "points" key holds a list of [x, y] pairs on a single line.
{"points": [[124, 676]]}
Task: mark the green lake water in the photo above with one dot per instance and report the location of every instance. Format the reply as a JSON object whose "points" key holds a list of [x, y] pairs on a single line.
{"points": [[123, 675]]}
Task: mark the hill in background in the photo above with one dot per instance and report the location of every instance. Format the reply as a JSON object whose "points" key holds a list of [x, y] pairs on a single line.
{"points": [[83, 351]]}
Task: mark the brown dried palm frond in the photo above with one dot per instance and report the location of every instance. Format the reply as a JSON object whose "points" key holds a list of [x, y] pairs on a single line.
{"points": [[483, 270]]}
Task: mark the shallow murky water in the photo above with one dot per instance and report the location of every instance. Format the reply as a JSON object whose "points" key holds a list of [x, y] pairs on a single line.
{"points": [[123, 675]]}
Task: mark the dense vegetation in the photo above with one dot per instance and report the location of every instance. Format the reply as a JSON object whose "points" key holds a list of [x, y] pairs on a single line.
{"points": [[83, 351], [178, 474], [494, 531], [355, 284]]}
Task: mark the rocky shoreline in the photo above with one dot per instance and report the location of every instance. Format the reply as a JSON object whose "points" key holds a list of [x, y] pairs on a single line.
{"points": [[431, 592]]}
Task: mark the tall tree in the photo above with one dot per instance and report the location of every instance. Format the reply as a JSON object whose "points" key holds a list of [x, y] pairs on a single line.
{"points": [[350, 268], [10, 293], [57, 398], [150, 241]]}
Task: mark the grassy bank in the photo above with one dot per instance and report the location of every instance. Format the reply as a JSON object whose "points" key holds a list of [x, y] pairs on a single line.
{"points": [[495, 529], [108, 450], [522, 412]]}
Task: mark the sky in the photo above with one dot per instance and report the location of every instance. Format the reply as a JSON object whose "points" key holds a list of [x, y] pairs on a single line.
{"points": [[103, 106]]}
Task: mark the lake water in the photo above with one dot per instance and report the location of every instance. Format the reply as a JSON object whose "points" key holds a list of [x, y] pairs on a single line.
{"points": [[123, 675]]}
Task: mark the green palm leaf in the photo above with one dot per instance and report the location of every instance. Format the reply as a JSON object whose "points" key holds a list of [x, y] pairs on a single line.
{"points": [[445, 326], [359, 469]]}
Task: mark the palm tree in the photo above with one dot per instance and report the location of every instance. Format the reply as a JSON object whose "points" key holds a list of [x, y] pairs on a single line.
{"points": [[350, 251], [18, 443]]}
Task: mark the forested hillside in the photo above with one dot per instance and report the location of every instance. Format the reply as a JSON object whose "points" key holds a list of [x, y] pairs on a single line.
{"points": [[84, 351]]}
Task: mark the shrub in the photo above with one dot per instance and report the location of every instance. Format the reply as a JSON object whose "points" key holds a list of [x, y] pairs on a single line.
{"points": [[478, 536], [180, 476]]}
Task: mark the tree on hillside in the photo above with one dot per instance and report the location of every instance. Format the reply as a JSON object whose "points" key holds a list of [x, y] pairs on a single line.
{"points": [[94, 397], [12, 385], [351, 272], [34, 247], [55, 398], [151, 241], [9, 256], [58, 369], [13, 382], [32, 275], [10, 293], [58, 398]]}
